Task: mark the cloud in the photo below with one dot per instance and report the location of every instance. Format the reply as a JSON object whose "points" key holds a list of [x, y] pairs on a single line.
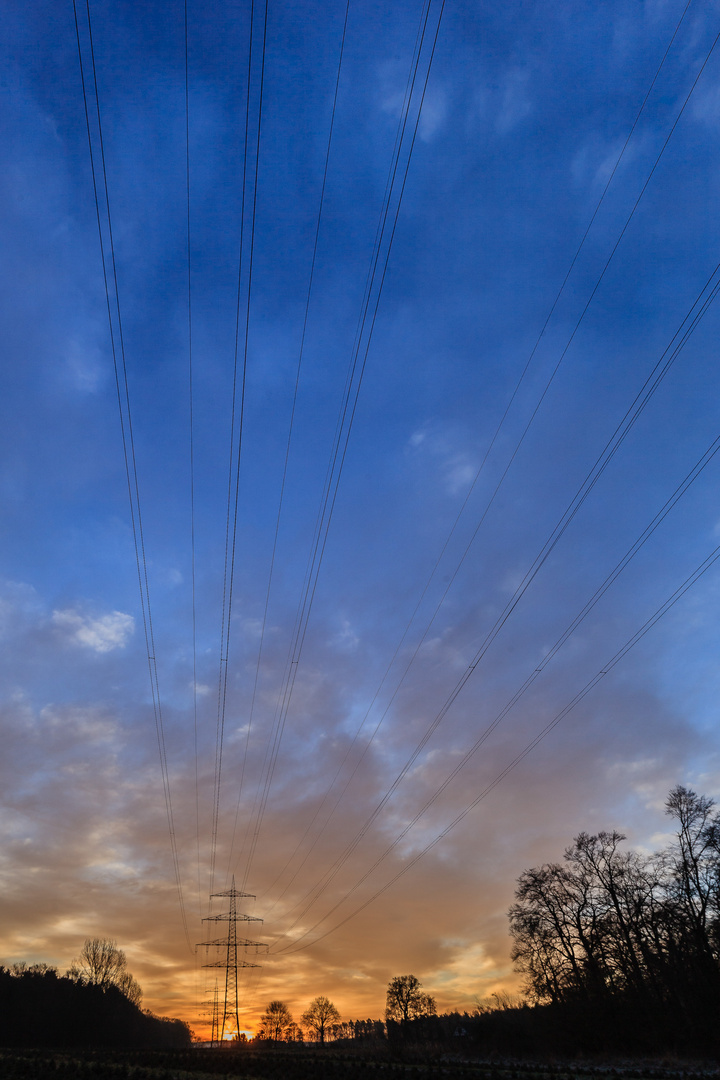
{"points": [[706, 106], [19, 605], [252, 629], [392, 80], [515, 105], [456, 466], [596, 158], [102, 634], [433, 114], [346, 639], [84, 368]]}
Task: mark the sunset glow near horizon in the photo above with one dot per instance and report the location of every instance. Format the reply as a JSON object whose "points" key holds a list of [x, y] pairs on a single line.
{"points": [[459, 495]]}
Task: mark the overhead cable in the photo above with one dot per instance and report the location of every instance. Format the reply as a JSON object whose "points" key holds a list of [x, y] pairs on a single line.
{"points": [[489, 449], [235, 454], [128, 443], [355, 377], [658, 614], [289, 439], [610, 579], [697, 311], [191, 455]]}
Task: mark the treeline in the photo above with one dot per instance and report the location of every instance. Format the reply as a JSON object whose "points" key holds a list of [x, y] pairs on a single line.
{"points": [[621, 950], [520, 1031], [535, 1033], [39, 1008], [406, 1004]]}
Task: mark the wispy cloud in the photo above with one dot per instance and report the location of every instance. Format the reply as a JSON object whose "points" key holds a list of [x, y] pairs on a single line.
{"points": [[434, 112], [102, 634], [84, 367], [515, 103], [453, 462]]}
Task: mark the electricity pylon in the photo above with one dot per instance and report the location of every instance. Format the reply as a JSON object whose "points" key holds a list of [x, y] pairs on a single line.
{"points": [[214, 1009], [231, 1008]]}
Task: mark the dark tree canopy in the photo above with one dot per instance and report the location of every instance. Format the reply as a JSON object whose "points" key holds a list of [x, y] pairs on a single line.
{"points": [[406, 1001], [611, 925], [38, 1008], [277, 1024], [321, 1017]]}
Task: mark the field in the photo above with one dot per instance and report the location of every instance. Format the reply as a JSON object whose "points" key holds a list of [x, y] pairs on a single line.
{"points": [[314, 1064]]}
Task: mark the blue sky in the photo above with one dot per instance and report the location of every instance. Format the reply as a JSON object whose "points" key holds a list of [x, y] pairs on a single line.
{"points": [[525, 116]]}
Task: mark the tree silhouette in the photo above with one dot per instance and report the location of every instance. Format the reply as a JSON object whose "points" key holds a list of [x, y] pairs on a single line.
{"points": [[39, 1008], [102, 964], [321, 1015], [616, 933], [406, 1001], [277, 1022]]}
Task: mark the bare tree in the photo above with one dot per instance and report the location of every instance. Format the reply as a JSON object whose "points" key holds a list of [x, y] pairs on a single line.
{"points": [[320, 1017], [277, 1022], [103, 964], [130, 987], [406, 1001], [498, 1001], [612, 924], [590, 926], [696, 857]]}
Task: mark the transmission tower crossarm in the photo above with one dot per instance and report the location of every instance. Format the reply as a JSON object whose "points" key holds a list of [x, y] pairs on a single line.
{"points": [[240, 964], [242, 943], [232, 917], [235, 893]]}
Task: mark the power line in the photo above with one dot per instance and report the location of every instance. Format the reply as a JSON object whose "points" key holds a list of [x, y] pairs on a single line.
{"points": [[290, 672], [313, 562], [485, 459], [415, 58], [230, 546], [670, 602], [347, 415], [697, 311], [192, 450], [609, 580], [290, 431], [128, 443]]}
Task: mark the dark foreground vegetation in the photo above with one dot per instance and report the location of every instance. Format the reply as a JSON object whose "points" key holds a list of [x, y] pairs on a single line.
{"points": [[312, 1063], [621, 949], [40, 1008]]}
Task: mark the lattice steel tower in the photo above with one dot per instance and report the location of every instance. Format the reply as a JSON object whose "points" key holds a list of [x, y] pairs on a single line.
{"points": [[214, 1010], [231, 963]]}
